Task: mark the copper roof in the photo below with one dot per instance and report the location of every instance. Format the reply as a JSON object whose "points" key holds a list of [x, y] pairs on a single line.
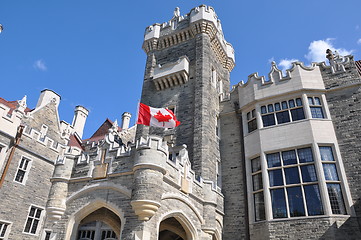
{"points": [[12, 105]]}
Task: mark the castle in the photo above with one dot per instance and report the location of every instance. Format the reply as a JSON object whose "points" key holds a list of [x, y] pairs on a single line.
{"points": [[272, 158]]}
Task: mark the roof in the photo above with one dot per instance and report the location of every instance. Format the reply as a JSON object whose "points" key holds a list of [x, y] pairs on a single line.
{"points": [[12, 105], [74, 142], [102, 131], [358, 66]]}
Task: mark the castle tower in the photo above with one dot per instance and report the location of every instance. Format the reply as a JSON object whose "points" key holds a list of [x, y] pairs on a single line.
{"points": [[187, 70]]}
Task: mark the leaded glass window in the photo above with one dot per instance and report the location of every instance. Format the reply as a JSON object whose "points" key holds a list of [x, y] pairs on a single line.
{"points": [[257, 189]]}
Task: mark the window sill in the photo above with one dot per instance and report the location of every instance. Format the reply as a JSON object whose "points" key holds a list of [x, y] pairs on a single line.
{"points": [[303, 218]]}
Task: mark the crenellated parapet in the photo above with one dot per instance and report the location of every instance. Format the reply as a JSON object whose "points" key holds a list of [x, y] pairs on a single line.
{"points": [[296, 78], [200, 20]]}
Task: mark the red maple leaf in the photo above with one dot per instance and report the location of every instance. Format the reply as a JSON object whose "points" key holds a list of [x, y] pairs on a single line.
{"points": [[162, 118]]}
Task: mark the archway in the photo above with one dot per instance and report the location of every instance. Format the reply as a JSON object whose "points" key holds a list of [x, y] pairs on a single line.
{"points": [[171, 229], [102, 224]]}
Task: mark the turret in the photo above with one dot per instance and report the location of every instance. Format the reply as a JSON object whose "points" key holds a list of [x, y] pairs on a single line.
{"points": [[149, 168], [80, 116], [125, 120]]}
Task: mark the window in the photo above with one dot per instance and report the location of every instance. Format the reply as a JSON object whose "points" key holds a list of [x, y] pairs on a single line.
{"points": [[251, 121], [33, 221], [23, 170], [4, 230], [43, 131], [219, 174], [257, 189], [316, 107], [282, 112], [332, 180], [214, 78], [47, 235], [293, 183]]}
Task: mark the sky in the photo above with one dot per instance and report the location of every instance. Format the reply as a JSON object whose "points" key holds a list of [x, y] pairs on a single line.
{"points": [[90, 52]]}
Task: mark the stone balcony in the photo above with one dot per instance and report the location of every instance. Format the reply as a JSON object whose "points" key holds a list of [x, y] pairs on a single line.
{"points": [[172, 74]]}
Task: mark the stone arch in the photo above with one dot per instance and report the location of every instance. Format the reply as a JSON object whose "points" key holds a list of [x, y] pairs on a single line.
{"points": [[105, 185], [190, 231], [185, 201], [87, 210]]}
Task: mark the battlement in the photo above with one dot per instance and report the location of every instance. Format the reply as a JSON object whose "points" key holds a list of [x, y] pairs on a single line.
{"points": [[178, 29], [296, 78]]}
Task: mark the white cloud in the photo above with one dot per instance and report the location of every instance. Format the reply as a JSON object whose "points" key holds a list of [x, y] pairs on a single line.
{"points": [[317, 50], [40, 65], [359, 41], [271, 60], [285, 64]]}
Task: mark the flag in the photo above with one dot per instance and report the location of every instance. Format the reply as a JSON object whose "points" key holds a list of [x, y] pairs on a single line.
{"points": [[156, 117]]}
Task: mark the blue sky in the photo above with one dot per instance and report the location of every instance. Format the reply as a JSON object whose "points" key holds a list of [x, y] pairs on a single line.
{"points": [[90, 51]]}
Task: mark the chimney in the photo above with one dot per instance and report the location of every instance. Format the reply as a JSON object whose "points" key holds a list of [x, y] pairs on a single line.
{"points": [[47, 96], [80, 115], [125, 120]]}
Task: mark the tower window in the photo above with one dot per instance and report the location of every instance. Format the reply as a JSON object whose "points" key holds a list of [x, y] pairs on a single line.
{"points": [[257, 189], [282, 112], [316, 107], [294, 186], [251, 121]]}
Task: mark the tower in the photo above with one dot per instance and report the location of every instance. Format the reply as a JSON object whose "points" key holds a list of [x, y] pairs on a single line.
{"points": [[187, 70]]}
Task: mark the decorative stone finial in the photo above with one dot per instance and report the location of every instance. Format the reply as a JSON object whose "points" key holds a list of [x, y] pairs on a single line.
{"points": [[329, 55], [176, 12], [22, 104]]}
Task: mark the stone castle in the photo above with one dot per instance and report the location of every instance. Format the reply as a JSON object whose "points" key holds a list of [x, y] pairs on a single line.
{"points": [[272, 158]]}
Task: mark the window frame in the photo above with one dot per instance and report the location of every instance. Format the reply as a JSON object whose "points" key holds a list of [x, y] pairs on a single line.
{"points": [[27, 170], [7, 231], [40, 220], [314, 105], [251, 118], [277, 109]]}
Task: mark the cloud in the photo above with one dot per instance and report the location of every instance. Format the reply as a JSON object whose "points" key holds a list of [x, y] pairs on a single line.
{"points": [[285, 64], [357, 27], [40, 65], [317, 50], [271, 60], [359, 41]]}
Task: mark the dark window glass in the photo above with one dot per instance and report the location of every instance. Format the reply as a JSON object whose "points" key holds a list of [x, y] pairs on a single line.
{"points": [[3, 226], [326, 153], [35, 226], [28, 225], [313, 200], [275, 178], [295, 202], [298, 102], [283, 117], [289, 157], [268, 120], [259, 207], [317, 101], [336, 199], [317, 112], [270, 108], [20, 176], [248, 116], [263, 109], [292, 175], [308, 173], [297, 114], [277, 106], [252, 125], [291, 103], [330, 171], [310, 101], [253, 113], [257, 182], [284, 105], [273, 160], [256, 164], [305, 155], [278, 203], [47, 235]]}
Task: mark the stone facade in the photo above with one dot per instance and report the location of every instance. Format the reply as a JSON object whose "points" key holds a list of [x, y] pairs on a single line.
{"points": [[274, 158]]}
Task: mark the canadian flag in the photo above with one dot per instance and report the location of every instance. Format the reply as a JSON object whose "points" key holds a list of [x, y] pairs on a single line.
{"points": [[156, 117]]}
